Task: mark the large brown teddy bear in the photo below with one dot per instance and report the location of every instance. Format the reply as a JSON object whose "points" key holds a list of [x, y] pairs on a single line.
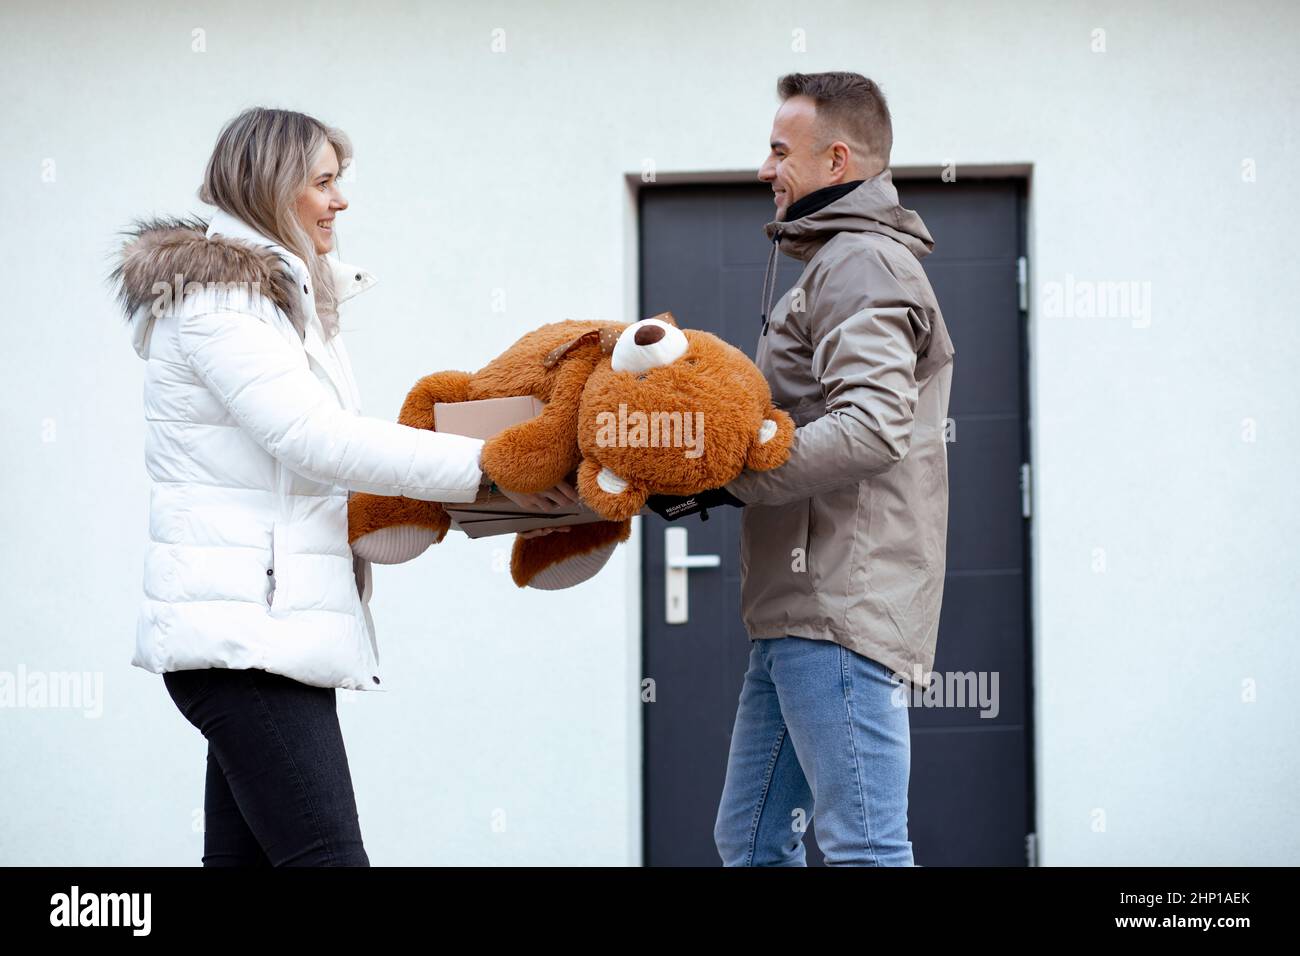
{"points": [[602, 384]]}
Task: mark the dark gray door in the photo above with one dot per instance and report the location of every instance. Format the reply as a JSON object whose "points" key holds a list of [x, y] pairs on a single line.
{"points": [[971, 801]]}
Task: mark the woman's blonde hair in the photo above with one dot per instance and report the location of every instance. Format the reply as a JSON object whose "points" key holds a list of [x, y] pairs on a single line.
{"points": [[259, 166]]}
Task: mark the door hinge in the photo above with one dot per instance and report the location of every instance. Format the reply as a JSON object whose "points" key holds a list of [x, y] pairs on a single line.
{"points": [[1022, 282], [1026, 501], [1031, 849]]}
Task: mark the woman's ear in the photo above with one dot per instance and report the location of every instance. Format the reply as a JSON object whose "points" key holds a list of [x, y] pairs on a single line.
{"points": [[770, 446]]}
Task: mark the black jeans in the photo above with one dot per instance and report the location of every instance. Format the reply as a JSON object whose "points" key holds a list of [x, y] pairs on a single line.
{"points": [[278, 790]]}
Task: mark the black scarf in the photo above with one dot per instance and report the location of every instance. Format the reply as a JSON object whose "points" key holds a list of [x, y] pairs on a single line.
{"points": [[818, 199]]}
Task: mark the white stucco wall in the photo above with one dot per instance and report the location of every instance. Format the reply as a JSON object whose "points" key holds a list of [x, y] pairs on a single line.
{"points": [[1165, 570]]}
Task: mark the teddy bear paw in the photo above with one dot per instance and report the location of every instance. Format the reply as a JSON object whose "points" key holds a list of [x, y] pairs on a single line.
{"points": [[395, 545], [575, 570]]}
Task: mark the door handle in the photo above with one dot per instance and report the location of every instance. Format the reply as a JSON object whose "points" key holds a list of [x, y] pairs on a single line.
{"points": [[678, 563]]}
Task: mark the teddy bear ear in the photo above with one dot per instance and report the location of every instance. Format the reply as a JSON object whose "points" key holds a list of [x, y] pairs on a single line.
{"points": [[666, 317], [557, 353], [607, 337]]}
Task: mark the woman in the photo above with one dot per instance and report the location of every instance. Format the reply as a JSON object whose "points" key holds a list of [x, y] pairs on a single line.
{"points": [[255, 608]]}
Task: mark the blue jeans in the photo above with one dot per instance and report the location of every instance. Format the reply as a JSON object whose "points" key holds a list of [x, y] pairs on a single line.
{"points": [[818, 737], [278, 790]]}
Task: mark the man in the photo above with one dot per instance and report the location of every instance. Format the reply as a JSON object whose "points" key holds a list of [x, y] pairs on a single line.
{"points": [[842, 547]]}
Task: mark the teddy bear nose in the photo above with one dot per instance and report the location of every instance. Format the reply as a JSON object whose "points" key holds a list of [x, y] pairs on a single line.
{"points": [[648, 335], [650, 343]]}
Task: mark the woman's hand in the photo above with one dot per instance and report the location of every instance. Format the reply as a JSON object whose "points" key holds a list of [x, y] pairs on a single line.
{"points": [[560, 498]]}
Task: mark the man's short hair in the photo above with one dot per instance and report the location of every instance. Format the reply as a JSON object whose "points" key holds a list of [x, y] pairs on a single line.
{"points": [[849, 107]]}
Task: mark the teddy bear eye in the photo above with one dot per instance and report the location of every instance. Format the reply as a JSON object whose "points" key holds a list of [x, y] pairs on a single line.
{"points": [[641, 375]]}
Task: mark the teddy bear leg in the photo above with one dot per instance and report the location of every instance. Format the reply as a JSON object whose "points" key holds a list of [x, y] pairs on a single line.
{"points": [[562, 559], [387, 530], [392, 530]]}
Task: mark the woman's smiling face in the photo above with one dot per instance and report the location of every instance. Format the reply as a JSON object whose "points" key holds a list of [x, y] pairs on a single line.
{"points": [[321, 200]]}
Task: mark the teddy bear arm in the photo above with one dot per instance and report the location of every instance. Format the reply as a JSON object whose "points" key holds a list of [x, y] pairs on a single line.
{"points": [[607, 494], [540, 453], [417, 409], [771, 446]]}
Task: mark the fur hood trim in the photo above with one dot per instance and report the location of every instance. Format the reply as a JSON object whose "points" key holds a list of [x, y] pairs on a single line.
{"points": [[161, 248]]}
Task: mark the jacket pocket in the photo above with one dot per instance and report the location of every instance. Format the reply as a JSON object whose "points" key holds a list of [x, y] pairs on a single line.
{"points": [[362, 572]]}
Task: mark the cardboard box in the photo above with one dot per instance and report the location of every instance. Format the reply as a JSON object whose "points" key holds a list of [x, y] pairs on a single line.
{"points": [[479, 521], [496, 514], [476, 526], [486, 417]]}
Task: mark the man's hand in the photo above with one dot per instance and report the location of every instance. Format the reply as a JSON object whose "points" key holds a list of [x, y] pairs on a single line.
{"points": [[538, 532], [672, 507]]}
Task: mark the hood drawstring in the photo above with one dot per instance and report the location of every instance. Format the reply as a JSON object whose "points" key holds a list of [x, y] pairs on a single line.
{"points": [[769, 278]]}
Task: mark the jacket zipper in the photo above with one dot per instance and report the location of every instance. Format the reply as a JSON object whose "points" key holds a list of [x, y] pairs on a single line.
{"points": [[270, 571], [807, 538], [772, 266]]}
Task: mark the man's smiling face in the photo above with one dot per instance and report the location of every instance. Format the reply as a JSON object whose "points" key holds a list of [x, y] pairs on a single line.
{"points": [[798, 163]]}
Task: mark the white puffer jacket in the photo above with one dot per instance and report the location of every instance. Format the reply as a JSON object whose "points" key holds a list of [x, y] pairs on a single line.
{"points": [[253, 441]]}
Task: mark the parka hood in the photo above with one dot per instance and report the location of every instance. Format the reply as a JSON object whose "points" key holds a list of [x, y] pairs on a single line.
{"points": [[221, 250], [871, 207], [178, 252]]}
